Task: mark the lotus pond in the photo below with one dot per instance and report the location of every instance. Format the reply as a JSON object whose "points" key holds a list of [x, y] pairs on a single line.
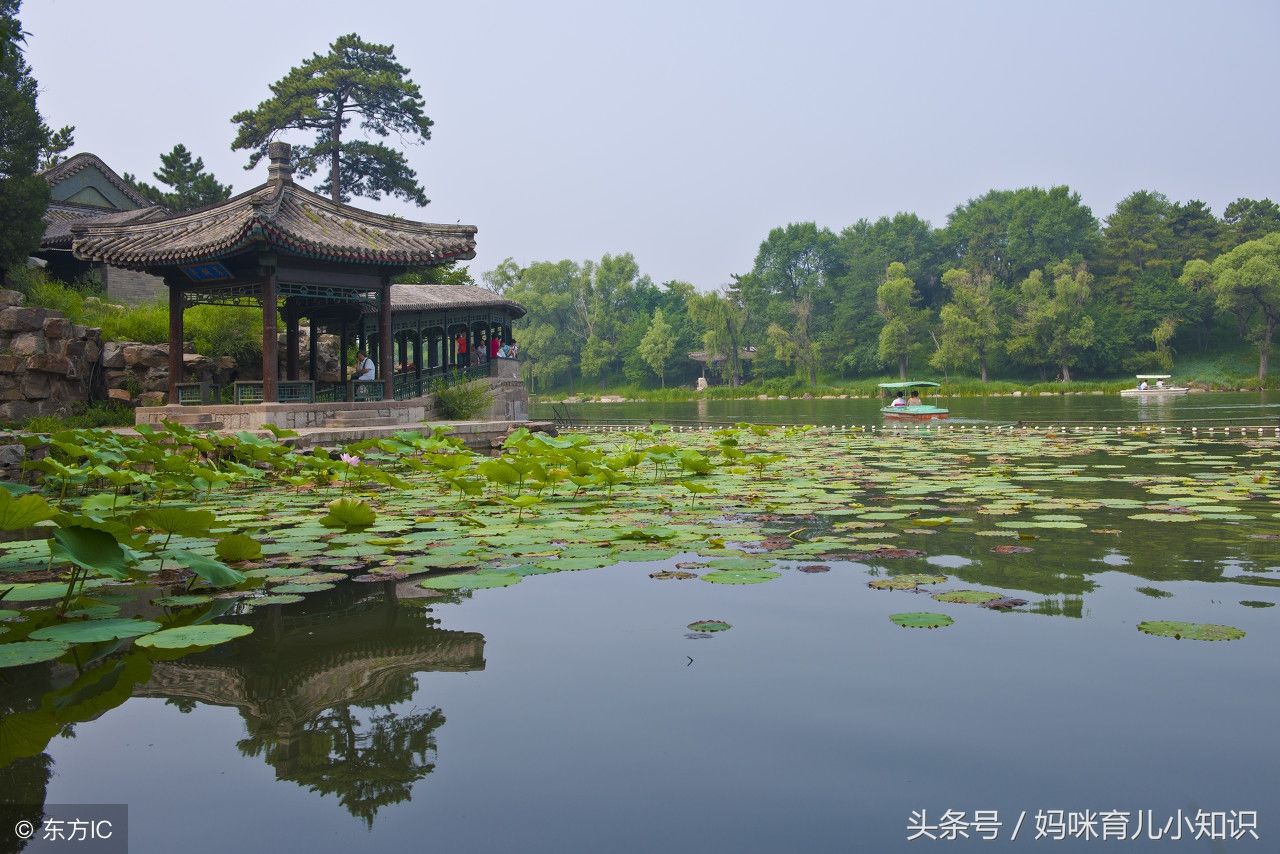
{"points": [[748, 639]]}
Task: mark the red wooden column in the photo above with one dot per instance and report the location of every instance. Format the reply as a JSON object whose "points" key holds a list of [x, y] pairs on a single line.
{"points": [[270, 353], [386, 352], [291, 339], [176, 306]]}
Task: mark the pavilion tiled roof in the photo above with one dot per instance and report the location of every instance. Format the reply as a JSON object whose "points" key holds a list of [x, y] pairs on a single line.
{"points": [[436, 297], [60, 216], [279, 215]]}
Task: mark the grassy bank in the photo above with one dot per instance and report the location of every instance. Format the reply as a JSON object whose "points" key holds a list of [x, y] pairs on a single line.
{"points": [[1234, 371]]}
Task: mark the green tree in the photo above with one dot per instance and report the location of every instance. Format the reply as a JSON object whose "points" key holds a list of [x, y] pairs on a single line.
{"points": [[723, 317], [796, 346], [904, 325], [1052, 326], [189, 185], [322, 96], [1248, 219], [657, 346], [1197, 279], [863, 251], [452, 273], [793, 266], [1196, 231], [603, 302], [1162, 337], [1246, 282], [546, 290], [1009, 233], [25, 141], [970, 323]]}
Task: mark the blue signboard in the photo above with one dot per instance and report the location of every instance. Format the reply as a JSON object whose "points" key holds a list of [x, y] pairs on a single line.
{"points": [[214, 272]]}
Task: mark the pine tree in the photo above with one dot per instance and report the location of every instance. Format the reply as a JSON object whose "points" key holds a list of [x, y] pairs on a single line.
{"points": [[24, 141], [190, 186], [322, 96]]}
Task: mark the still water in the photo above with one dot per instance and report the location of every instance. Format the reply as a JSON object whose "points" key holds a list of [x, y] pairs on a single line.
{"points": [[1252, 408], [574, 711]]}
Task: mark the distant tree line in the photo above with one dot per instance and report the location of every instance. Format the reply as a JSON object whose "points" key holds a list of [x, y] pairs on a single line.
{"points": [[1022, 282]]}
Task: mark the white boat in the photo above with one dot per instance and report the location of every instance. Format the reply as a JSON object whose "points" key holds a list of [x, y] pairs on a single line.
{"points": [[1154, 385]]}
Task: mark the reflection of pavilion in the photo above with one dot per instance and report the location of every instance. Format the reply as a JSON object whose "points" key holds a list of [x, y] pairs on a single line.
{"points": [[317, 691]]}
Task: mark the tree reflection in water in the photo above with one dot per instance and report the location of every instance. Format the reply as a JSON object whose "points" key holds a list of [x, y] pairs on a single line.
{"points": [[321, 686]]}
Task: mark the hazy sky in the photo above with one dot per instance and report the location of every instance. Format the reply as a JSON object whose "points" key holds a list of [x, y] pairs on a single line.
{"points": [[684, 131]]}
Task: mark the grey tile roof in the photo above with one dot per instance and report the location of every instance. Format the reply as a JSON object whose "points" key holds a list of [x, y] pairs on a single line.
{"points": [[285, 217], [60, 216], [437, 297], [79, 162]]}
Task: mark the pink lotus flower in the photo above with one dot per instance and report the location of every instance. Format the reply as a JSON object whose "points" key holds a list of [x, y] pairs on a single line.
{"points": [[350, 459]]}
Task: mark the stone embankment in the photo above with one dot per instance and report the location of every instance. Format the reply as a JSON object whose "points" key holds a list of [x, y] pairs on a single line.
{"points": [[47, 363]]}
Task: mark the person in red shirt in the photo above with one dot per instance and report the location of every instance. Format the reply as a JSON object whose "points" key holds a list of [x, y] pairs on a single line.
{"points": [[461, 342], [495, 344]]}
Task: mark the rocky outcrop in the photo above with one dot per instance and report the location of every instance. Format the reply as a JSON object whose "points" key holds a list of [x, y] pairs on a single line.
{"points": [[47, 363]]}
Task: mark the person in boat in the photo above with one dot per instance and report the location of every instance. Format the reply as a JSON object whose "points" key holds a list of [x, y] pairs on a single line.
{"points": [[1142, 386], [899, 400], [914, 399], [1159, 383]]}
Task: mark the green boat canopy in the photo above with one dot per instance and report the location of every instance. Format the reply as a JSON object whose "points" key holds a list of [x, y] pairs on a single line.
{"points": [[910, 385]]}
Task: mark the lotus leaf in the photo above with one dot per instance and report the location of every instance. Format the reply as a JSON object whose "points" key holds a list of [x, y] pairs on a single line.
{"points": [[740, 576], [710, 626], [30, 652], [301, 588], [471, 581], [95, 631], [214, 573], [183, 601], [22, 511], [276, 599], [1190, 631], [238, 547], [184, 637], [971, 597], [349, 513], [921, 620]]}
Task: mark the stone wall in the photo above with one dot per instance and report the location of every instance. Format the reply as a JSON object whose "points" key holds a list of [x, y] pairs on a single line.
{"points": [[139, 373], [510, 397], [131, 287], [47, 363]]}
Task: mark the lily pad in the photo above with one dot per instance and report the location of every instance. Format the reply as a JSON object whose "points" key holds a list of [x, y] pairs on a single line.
{"points": [[1011, 549], [905, 582], [740, 576], [276, 599], [207, 634], [95, 631], [301, 588], [185, 600], [921, 620], [672, 575], [967, 597], [1190, 631], [30, 652], [710, 626], [471, 581]]}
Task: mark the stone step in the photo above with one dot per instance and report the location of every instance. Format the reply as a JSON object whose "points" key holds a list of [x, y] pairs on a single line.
{"points": [[356, 419]]}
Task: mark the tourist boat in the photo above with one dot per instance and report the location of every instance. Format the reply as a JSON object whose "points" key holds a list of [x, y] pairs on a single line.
{"points": [[1156, 387], [921, 412]]}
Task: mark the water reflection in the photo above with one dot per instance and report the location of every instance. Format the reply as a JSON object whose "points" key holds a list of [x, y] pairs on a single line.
{"points": [[320, 685]]}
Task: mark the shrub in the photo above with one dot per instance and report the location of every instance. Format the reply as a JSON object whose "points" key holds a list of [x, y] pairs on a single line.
{"points": [[100, 414], [461, 401]]}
